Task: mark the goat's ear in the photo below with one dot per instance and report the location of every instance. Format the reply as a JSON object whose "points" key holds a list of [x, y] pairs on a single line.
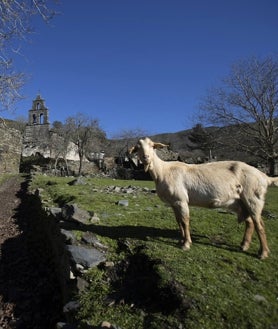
{"points": [[159, 145], [133, 149]]}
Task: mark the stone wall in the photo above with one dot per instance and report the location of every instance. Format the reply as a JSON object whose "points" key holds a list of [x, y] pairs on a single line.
{"points": [[10, 149]]}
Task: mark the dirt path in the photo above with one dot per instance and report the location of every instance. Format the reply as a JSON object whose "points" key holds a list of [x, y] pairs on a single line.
{"points": [[29, 292]]}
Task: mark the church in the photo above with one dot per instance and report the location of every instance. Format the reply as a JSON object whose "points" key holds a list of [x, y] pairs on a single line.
{"points": [[38, 138]]}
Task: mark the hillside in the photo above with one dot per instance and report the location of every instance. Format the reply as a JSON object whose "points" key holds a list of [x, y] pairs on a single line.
{"points": [[179, 143]]}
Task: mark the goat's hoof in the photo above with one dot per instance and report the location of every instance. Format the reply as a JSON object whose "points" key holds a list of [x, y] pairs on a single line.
{"points": [[186, 247], [245, 246], [263, 254]]}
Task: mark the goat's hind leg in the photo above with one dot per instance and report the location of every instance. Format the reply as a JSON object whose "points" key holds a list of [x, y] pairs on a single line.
{"points": [[255, 208], [244, 216], [259, 226]]}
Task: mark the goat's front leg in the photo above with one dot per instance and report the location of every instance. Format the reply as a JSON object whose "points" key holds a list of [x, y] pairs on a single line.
{"points": [[181, 211], [249, 229]]}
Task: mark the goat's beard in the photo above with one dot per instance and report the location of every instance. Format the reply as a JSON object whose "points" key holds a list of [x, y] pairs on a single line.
{"points": [[146, 167], [146, 164]]}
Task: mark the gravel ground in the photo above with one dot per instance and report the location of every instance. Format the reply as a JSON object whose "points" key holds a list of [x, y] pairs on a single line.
{"points": [[29, 290]]}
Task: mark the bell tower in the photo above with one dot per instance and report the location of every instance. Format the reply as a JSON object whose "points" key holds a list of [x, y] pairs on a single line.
{"points": [[38, 126], [38, 115]]}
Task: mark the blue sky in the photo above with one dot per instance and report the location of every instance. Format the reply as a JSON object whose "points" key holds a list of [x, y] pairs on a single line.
{"points": [[141, 64]]}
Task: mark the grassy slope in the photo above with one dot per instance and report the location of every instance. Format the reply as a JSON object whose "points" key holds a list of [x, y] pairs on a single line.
{"points": [[226, 288]]}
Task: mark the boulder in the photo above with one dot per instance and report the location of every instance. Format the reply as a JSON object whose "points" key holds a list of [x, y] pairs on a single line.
{"points": [[72, 212], [87, 257]]}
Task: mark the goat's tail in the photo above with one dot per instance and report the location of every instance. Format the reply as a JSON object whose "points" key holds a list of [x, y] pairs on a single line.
{"points": [[273, 181]]}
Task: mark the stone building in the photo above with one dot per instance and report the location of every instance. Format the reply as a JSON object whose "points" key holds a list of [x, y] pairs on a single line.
{"points": [[40, 139], [10, 149]]}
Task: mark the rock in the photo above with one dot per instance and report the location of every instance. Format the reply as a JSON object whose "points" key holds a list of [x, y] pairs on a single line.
{"points": [[87, 257], [117, 189], [71, 306], [72, 276], [260, 299], [69, 236], [109, 264], [73, 213], [81, 284], [39, 191], [80, 267], [91, 239], [78, 181], [123, 203], [128, 190], [64, 325], [55, 212], [106, 324], [94, 219]]}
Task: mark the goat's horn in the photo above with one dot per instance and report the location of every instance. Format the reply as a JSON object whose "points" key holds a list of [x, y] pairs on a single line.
{"points": [[133, 149]]}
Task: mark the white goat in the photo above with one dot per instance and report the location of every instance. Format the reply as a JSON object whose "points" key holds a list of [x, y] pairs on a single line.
{"points": [[230, 184]]}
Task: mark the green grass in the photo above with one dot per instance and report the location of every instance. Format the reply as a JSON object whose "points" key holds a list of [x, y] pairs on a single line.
{"points": [[225, 288]]}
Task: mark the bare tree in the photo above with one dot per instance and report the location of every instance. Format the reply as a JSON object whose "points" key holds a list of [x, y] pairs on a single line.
{"points": [[60, 144], [248, 99], [19, 124], [15, 26], [85, 133], [129, 134], [127, 138]]}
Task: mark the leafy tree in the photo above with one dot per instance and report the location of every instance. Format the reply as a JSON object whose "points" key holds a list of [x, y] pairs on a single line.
{"points": [[248, 99], [85, 133], [15, 26]]}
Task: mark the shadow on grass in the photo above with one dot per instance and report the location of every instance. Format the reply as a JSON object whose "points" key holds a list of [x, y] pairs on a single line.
{"points": [[123, 231], [28, 279], [145, 233]]}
